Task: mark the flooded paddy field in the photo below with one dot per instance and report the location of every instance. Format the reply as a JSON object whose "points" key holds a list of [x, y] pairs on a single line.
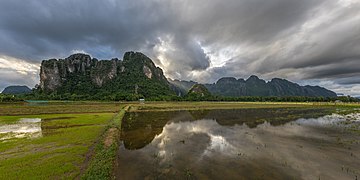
{"points": [[185, 140], [272, 143], [48, 145]]}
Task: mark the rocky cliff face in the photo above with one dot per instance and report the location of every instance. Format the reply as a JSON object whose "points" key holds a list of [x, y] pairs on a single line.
{"points": [[79, 73], [54, 73]]}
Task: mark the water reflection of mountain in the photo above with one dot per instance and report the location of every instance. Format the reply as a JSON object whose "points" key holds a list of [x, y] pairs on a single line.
{"points": [[254, 117], [139, 129]]}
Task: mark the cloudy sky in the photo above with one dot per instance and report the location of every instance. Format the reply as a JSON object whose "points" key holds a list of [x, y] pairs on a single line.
{"points": [[314, 42]]}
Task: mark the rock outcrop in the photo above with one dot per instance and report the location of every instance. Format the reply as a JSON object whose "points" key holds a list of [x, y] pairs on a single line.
{"points": [[55, 73], [81, 74]]}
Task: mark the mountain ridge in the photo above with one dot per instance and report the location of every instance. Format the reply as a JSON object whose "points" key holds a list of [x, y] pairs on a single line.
{"points": [[254, 86], [137, 76]]}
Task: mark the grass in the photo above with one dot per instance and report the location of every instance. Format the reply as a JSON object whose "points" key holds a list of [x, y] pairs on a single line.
{"points": [[101, 165], [58, 108], [67, 138], [61, 151]]}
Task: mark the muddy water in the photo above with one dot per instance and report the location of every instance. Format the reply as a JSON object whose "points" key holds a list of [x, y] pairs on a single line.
{"points": [[23, 128], [240, 144]]}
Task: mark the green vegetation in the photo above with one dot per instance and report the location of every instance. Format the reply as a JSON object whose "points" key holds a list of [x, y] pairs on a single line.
{"points": [[103, 162], [123, 96], [9, 98], [80, 142], [64, 107], [133, 78], [59, 153], [198, 92]]}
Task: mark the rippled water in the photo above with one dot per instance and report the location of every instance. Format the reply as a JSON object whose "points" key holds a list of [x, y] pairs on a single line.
{"points": [[24, 127], [240, 144]]}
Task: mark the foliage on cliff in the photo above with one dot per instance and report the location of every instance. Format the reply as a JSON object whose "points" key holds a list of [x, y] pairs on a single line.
{"points": [[81, 77], [198, 92]]}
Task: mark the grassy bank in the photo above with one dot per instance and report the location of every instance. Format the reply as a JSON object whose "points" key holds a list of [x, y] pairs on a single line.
{"points": [[102, 163]]}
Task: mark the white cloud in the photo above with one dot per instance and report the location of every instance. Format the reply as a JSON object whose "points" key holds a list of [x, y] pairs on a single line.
{"points": [[18, 72]]}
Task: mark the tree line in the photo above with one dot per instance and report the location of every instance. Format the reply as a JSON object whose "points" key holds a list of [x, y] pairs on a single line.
{"points": [[123, 96]]}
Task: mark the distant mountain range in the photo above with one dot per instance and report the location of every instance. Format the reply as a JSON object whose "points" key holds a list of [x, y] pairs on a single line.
{"points": [[254, 86], [137, 75], [16, 90]]}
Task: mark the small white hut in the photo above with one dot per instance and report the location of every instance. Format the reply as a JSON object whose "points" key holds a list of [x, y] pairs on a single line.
{"points": [[142, 101]]}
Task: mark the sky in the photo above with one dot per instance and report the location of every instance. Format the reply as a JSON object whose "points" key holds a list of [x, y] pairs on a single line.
{"points": [[315, 42]]}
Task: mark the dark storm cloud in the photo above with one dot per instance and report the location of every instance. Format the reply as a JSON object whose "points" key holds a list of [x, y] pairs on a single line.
{"points": [[349, 81], [248, 21], [45, 28], [335, 70], [201, 40]]}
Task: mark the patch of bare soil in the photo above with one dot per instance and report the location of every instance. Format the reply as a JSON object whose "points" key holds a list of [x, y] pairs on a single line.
{"points": [[110, 136]]}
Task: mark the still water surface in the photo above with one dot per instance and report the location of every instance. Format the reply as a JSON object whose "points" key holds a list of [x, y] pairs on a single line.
{"points": [[23, 128], [240, 144]]}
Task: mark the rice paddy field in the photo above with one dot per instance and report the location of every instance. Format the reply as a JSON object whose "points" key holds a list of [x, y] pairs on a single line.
{"points": [[103, 140]]}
